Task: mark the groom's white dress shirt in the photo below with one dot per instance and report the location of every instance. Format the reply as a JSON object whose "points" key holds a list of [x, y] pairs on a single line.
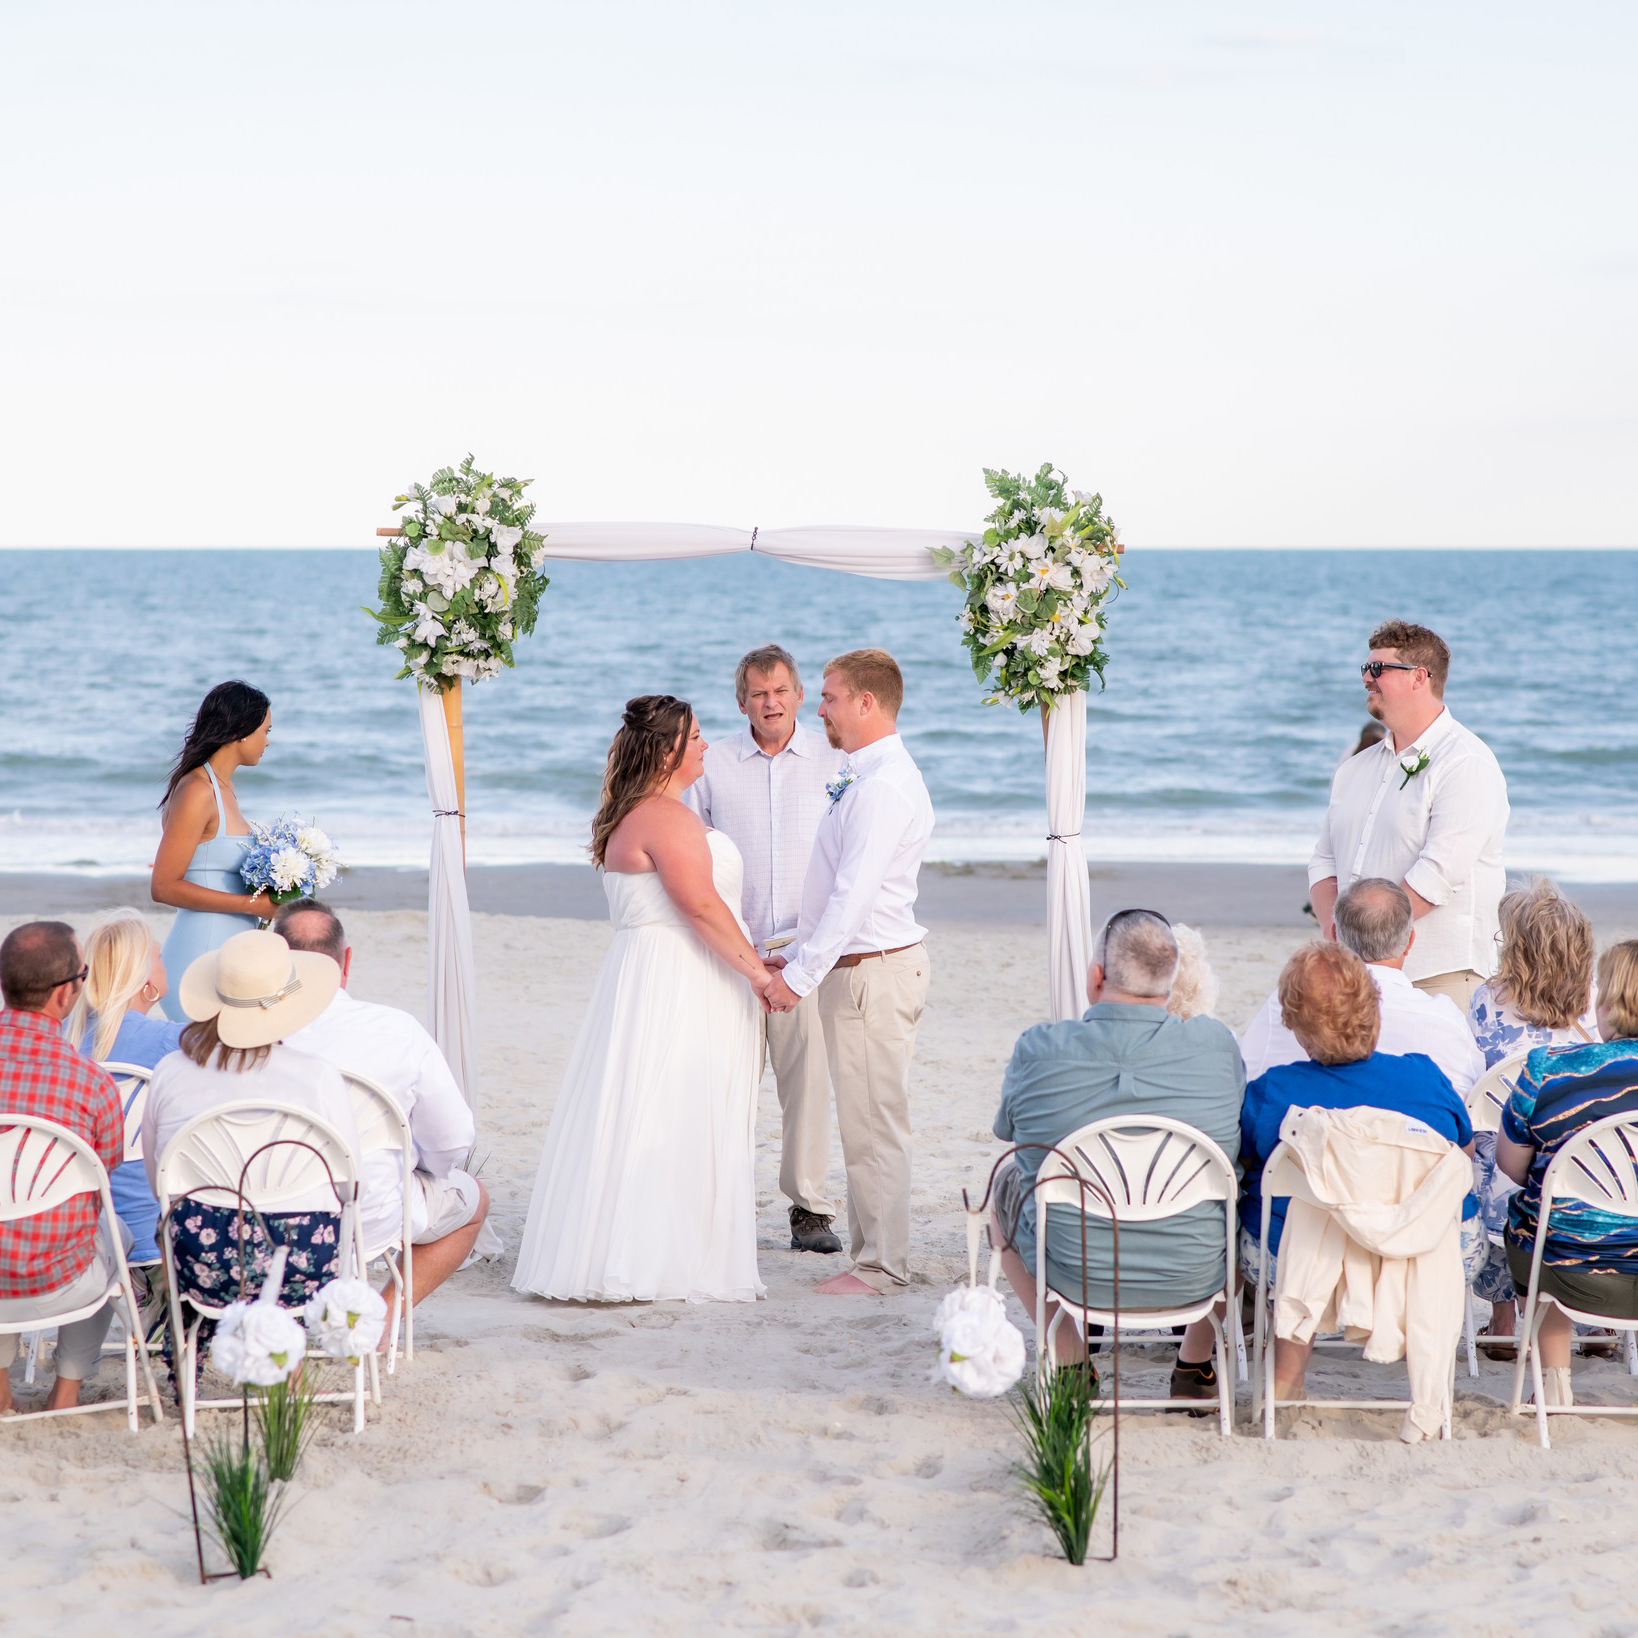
{"points": [[1411, 1022], [859, 894], [770, 808], [393, 1049], [1439, 832]]}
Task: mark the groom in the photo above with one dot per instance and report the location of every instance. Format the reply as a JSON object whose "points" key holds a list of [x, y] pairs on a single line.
{"points": [[858, 943]]}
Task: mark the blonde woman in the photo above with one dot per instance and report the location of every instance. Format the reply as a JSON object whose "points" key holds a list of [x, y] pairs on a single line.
{"points": [[1194, 989], [125, 980], [1540, 995]]}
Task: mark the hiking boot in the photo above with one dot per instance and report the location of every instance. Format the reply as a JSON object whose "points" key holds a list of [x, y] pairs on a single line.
{"points": [[1195, 1382], [811, 1232]]}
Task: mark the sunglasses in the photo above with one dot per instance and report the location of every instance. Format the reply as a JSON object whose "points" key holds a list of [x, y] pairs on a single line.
{"points": [[74, 978], [1374, 668]]}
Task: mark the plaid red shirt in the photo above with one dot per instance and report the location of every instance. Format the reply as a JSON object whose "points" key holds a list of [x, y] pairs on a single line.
{"points": [[41, 1074]]}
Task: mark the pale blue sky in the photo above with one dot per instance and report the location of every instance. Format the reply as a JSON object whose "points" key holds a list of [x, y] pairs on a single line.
{"points": [[1294, 274]]}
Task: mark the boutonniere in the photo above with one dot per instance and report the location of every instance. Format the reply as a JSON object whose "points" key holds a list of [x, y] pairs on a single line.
{"points": [[1413, 762], [838, 785]]}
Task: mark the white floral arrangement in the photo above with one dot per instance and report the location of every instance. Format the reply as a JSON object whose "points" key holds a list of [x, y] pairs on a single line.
{"points": [[464, 582], [289, 860], [980, 1350], [257, 1343], [345, 1319], [1036, 585]]}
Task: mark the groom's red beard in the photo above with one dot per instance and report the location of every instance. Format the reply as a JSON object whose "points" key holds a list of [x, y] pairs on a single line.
{"points": [[831, 735]]}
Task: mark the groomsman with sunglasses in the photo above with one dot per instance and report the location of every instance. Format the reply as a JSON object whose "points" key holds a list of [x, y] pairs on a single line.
{"points": [[1425, 807]]}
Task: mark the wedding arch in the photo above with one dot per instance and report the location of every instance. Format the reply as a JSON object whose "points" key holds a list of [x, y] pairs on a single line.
{"points": [[995, 564]]}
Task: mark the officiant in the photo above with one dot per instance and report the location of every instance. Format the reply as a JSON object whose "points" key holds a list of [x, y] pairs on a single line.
{"points": [[764, 788]]}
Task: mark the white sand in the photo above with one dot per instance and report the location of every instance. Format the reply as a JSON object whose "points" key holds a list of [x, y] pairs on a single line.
{"points": [[787, 1465]]}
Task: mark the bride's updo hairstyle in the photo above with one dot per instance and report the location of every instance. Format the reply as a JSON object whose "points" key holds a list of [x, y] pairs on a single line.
{"points": [[642, 756], [230, 711]]}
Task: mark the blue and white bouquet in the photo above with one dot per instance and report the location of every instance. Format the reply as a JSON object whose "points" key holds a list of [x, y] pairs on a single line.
{"points": [[293, 859]]}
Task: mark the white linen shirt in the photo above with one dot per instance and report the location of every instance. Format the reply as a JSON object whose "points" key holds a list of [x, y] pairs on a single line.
{"points": [[1411, 1022], [1440, 833], [859, 894], [396, 1053], [769, 807], [181, 1089]]}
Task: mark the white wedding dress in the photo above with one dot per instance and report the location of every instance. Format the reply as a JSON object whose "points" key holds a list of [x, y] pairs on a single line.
{"points": [[647, 1188]]}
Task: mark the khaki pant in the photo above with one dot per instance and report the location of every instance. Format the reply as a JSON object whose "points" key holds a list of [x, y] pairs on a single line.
{"points": [[870, 1013], [1458, 986], [796, 1049]]}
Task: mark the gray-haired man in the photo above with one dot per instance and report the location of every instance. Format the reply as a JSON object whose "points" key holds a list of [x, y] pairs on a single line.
{"points": [[764, 788], [1126, 1055]]}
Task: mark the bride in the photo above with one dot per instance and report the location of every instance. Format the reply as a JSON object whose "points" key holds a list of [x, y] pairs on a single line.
{"points": [[647, 1187]]}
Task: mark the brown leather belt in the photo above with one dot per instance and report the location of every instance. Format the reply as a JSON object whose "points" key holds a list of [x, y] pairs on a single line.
{"points": [[871, 955]]}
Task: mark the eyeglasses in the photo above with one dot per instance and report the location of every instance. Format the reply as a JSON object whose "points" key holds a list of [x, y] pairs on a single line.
{"points": [[74, 978], [1374, 668]]}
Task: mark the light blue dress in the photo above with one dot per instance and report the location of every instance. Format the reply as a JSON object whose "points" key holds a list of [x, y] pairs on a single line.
{"points": [[194, 933]]}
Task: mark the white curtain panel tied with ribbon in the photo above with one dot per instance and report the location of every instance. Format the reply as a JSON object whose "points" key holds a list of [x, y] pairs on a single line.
{"points": [[1069, 900], [452, 989]]}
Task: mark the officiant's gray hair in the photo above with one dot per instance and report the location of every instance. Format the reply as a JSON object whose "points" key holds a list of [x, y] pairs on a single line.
{"points": [[763, 659], [1138, 953]]}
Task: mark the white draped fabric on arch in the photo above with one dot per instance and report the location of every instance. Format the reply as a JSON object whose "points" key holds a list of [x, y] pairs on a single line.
{"points": [[886, 554]]}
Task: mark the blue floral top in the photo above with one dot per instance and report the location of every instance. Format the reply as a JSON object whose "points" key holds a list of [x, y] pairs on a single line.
{"points": [[1500, 1032]]}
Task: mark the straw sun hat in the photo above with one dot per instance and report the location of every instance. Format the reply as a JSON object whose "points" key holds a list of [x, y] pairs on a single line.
{"points": [[258, 989]]}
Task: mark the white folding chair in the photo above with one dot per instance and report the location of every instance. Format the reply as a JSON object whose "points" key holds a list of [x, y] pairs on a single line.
{"points": [[1283, 1178], [132, 1081], [43, 1166], [1597, 1167], [383, 1129], [1486, 1099], [1152, 1168], [283, 1159]]}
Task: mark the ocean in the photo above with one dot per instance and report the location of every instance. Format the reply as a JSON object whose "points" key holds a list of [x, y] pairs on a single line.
{"points": [[1233, 690]]}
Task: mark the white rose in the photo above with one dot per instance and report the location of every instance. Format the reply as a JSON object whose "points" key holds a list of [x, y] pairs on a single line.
{"points": [[257, 1343], [346, 1318], [980, 1351], [1002, 600], [446, 506]]}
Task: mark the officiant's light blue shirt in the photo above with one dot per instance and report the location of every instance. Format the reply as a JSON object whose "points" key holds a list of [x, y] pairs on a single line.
{"points": [[1123, 1058]]}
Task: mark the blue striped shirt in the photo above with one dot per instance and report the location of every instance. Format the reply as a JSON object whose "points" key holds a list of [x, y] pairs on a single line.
{"points": [[1562, 1091]]}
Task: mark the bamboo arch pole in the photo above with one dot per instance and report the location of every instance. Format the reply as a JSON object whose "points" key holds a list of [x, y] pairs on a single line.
{"points": [[451, 699]]}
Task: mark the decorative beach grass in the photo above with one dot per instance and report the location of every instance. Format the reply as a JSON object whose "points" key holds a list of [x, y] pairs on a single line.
{"points": [[1055, 1419]]}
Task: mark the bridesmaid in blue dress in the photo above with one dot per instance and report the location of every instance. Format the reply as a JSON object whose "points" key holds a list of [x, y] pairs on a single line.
{"points": [[197, 865]]}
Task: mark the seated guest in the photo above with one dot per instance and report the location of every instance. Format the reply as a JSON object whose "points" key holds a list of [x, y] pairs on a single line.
{"points": [[60, 1260], [447, 1206], [1331, 1003], [1126, 1056], [1194, 990], [125, 979], [1540, 995], [1591, 1258], [245, 998], [1374, 920]]}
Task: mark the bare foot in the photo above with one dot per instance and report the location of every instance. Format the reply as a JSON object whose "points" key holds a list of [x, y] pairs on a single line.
{"points": [[846, 1285], [64, 1395]]}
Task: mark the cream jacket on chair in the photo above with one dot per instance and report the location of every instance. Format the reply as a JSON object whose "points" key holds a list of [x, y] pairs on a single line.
{"points": [[1375, 1249]]}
